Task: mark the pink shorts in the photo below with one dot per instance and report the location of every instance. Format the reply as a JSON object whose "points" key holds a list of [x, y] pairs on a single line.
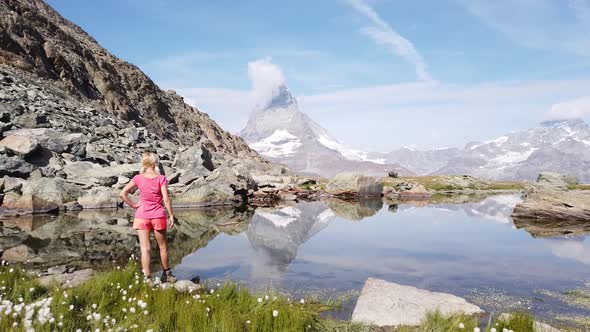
{"points": [[158, 224]]}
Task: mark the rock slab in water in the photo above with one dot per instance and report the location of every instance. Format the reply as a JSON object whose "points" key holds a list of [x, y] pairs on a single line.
{"points": [[552, 204], [354, 185], [384, 303]]}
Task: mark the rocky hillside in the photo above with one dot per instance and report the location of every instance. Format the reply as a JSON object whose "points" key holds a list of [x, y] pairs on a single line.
{"points": [[283, 133], [37, 39], [75, 119]]}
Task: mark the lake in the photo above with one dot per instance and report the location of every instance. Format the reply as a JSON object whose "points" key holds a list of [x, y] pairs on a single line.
{"points": [[328, 250]]}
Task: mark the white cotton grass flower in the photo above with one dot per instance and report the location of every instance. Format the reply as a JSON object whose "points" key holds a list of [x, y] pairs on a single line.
{"points": [[493, 329], [302, 301], [208, 309], [275, 313], [96, 316], [461, 325], [132, 310], [89, 317], [11, 270], [94, 306], [145, 312], [212, 291], [266, 297], [259, 300], [476, 329], [247, 322]]}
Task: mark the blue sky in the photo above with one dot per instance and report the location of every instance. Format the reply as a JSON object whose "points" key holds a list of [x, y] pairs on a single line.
{"points": [[378, 74]]}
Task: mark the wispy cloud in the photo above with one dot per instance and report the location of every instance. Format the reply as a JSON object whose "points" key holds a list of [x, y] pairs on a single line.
{"points": [[383, 34], [540, 24]]}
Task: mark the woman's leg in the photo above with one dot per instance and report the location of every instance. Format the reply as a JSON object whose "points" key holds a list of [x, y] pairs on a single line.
{"points": [[146, 250], [163, 245]]}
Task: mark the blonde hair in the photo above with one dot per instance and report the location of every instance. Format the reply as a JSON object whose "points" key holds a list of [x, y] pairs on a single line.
{"points": [[149, 160]]}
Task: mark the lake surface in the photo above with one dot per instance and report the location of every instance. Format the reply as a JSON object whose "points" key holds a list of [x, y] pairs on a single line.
{"points": [[329, 249]]}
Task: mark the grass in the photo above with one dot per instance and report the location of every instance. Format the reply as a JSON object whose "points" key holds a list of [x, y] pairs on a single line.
{"points": [[120, 301], [444, 183], [578, 186]]}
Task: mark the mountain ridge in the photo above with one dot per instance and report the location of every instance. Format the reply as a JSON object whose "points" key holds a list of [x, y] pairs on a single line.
{"points": [[37, 39], [283, 133]]}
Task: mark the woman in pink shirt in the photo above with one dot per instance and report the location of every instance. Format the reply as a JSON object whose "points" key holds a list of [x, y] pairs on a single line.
{"points": [[150, 213]]}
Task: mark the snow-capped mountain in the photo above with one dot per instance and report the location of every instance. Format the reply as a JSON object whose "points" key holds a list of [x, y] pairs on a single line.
{"points": [[282, 133], [555, 146]]}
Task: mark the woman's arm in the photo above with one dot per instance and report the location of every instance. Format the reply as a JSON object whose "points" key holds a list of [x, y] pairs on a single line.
{"points": [[124, 194], [167, 203]]}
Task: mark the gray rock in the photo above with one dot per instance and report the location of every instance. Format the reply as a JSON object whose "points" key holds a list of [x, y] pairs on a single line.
{"points": [[15, 166], [99, 198], [91, 173], [20, 145], [58, 269], [354, 185], [73, 279], [29, 120], [385, 303], [226, 184], [195, 162], [42, 195], [55, 140], [186, 286]]}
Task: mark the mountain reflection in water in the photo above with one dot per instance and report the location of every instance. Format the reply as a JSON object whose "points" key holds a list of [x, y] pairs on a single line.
{"points": [[333, 245]]}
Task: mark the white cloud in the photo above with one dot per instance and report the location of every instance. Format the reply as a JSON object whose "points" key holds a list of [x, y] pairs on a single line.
{"points": [[571, 109], [267, 79], [574, 249], [538, 24], [383, 34]]}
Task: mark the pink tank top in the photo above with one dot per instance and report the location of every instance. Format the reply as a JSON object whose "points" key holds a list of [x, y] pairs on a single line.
{"points": [[150, 197]]}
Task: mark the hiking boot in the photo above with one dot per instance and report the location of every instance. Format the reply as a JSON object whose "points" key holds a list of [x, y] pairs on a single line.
{"points": [[167, 276]]}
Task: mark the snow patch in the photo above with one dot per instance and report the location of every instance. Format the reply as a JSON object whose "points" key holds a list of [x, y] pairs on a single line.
{"points": [[346, 152], [277, 219], [281, 143], [511, 157]]}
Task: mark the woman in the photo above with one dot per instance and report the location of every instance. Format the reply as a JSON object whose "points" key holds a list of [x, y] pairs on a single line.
{"points": [[150, 213]]}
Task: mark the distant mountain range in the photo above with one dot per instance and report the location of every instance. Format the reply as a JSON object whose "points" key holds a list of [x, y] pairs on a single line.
{"points": [[282, 133]]}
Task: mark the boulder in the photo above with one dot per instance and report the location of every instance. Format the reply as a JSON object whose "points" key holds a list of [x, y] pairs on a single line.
{"points": [[20, 145], [193, 163], [186, 286], [354, 185], [385, 303], [73, 279], [226, 184], [20, 253], [99, 198], [55, 140], [40, 195], [91, 173], [29, 120], [15, 166]]}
